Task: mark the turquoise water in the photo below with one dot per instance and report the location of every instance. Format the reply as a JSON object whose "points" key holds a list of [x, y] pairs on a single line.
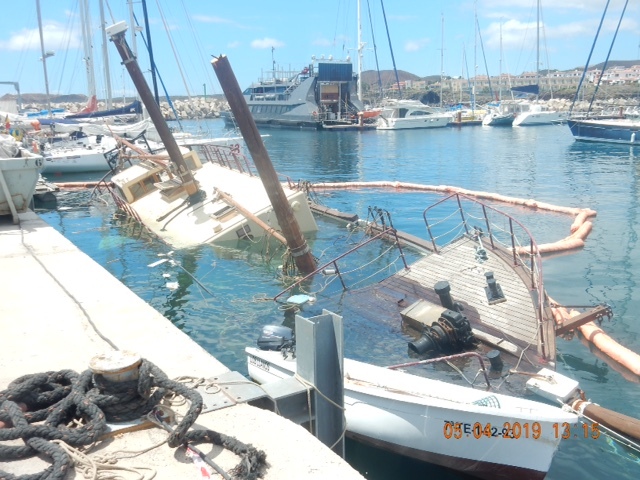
{"points": [[220, 298]]}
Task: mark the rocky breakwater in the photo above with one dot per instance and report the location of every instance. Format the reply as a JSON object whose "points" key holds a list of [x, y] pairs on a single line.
{"points": [[185, 109], [194, 108], [609, 106]]}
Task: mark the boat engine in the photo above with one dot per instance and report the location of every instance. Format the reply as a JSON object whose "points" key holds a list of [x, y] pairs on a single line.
{"points": [[275, 337], [451, 332]]}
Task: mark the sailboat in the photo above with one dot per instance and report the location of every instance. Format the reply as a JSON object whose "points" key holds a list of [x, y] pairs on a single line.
{"points": [[192, 200], [501, 114], [621, 129], [534, 113]]}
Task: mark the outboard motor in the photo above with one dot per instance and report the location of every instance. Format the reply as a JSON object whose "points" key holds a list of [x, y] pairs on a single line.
{"points": [[451, 332], [275, 337]]}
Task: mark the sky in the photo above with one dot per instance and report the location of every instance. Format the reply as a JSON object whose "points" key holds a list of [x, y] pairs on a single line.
{"points": [[424, 37]]}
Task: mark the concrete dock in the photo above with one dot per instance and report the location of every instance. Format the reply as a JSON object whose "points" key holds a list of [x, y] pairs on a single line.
{"points": [[59, 309]]}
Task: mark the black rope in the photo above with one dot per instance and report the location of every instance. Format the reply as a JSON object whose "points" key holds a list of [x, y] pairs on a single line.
{"points": [[53, 399]]}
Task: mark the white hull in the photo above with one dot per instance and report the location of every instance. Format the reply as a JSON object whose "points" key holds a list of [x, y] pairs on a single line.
{"points": [[181, 225], [537, 118], [434, 421], [432, 121], [18, 181], [84, 156]]}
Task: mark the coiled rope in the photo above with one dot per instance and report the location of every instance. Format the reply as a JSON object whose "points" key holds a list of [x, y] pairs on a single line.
{"points": [[53, 399]]}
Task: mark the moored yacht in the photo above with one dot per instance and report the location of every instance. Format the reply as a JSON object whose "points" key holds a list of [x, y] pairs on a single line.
{"points": [[319, 95], [409, 114]]}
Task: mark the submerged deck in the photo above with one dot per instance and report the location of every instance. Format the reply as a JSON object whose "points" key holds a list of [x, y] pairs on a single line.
{"points": [[511, 325]]}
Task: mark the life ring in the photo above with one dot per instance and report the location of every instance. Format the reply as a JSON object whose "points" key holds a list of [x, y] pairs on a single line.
{"points": [[315, 114]]}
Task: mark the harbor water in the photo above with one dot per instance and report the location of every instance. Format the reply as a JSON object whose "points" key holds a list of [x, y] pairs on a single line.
{"points": [[220, 296]]}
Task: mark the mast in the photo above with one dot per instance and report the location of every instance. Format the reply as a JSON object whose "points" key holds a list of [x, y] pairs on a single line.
{"points": [[500, 77], [117, 34], [475, 59], [150, 48], [85, 20], [360, 54], [441, 57], [290, 229], [538, 49], [105, 57], [44, 58], [132, 22]]}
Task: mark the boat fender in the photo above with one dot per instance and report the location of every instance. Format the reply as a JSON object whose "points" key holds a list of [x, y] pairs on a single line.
{"points": [[34, 147]]}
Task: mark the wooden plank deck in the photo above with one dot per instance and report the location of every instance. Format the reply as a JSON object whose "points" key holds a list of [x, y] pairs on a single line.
{"points": [[513, 320]]}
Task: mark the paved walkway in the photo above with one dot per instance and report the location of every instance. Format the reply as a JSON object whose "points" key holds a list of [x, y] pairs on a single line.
{"points": [[59, 309]]}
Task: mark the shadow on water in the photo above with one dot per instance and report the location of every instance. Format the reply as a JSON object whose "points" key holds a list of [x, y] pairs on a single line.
{"points": [[376, 464]]}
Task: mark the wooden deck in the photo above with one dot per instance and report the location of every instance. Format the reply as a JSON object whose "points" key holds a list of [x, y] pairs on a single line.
{"points": [[512, 322]]}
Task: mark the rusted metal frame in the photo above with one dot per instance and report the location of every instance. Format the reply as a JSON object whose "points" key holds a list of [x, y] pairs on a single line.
{"points": [[446, 359], [574, 322], [333, 262]]}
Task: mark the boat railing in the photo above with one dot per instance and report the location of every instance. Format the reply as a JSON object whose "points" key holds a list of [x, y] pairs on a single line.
{"points": [[332, 267], [494, 230], [228, 156], [447, 359]]}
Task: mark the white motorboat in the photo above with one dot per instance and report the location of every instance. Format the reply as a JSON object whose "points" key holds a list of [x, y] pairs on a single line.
{"points": [[484, 434], [536, 114], [19, 172], [410, 114]]}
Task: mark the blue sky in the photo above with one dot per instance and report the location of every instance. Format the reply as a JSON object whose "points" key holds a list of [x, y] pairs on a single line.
{"points": [[246, 31]]}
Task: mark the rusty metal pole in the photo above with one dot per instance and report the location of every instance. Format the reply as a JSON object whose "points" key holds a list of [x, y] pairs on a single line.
{"points": [[129, 61], [290, 228]]}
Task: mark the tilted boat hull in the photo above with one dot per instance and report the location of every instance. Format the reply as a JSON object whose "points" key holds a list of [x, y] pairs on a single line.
{"points": [[19, 177], [438, 422]]}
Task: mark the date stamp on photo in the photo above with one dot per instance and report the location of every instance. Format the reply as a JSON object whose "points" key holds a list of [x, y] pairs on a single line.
{"points": [[517, 430]]}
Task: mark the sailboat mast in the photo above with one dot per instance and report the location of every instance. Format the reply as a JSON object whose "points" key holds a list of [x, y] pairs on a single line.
{"points": [[44, 58], [441, 57], [105, 57], [85, 19], [150, 48], [360, 55], [475, 58], [117, 35], [538, 49], [500, 77]]}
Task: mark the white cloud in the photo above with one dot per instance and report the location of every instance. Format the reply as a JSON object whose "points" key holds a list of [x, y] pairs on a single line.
{"points": [[267, 42], [415, 45], [234, 44], [55, 38], [322, 42]]}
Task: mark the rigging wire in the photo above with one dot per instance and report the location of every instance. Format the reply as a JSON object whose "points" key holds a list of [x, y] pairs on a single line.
{"points": [[586, 66], [393, 60], [604, 67], [173, 48], [375, 51]]}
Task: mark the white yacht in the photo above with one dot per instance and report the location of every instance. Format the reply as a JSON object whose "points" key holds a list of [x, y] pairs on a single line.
{"points": [[406, 114]]}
